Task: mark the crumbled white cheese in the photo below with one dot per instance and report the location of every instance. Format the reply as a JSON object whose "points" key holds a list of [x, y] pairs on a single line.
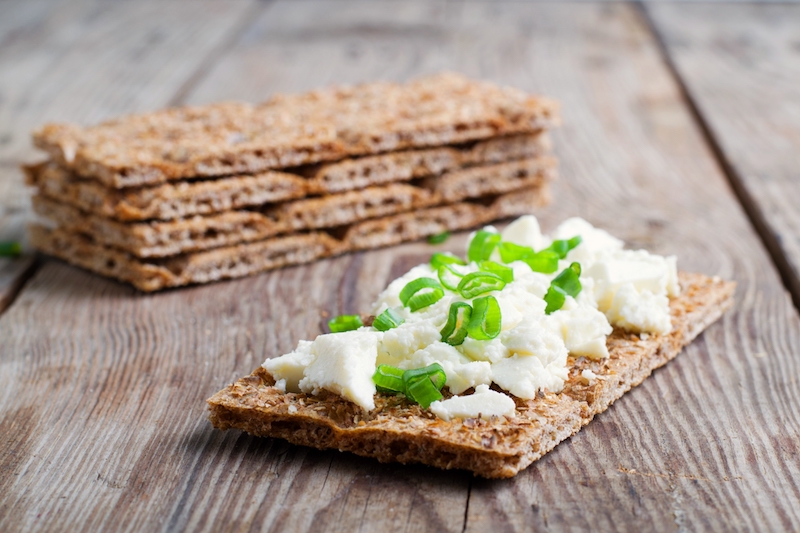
{"points": [[399, 343], [525, 232], [484, 403], [539, 360], [462, 373], [344, 363], [491, 351], [584, 330], [593, 240], [587, 377], [640, 311], [288, 369]]}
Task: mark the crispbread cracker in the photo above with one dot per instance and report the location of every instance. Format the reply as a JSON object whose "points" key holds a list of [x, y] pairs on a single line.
{"points": [[250, 258], [399, 431], [203, 197], [161, 239], [291, 130], [165, 202]]}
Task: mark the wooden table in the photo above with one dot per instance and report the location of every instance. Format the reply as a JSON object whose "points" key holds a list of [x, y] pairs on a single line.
{"points": [[681, 134]]}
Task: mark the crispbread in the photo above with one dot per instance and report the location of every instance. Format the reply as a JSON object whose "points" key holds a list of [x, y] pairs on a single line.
{"points": [[397, 430], [161, 239], [250, 258], [203, 197], [291, 130], [164, 202]]}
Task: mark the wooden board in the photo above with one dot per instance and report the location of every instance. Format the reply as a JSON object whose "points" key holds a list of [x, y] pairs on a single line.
{"points": [[102, 389], [742, 73], [85, 61]]}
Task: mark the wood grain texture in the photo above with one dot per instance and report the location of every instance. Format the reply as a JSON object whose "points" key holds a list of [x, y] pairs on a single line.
{"points": [[740, 66], [102, 390], [86, 61]]}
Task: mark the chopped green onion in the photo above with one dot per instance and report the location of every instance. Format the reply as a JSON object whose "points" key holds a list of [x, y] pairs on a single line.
{"points": [[387, 320], [420, 293], [569, 279], [423, 384], [423, 392], [445, 258], [449, 277], [389, 379], [482, 245], [545, 261], [434, 372], [10, 249], [555, 298], [439, 238], [345, 323], [510, 252], [567, 283], [562, 247], [505, 273], [476, 283], [486, 320], [455, 331]]}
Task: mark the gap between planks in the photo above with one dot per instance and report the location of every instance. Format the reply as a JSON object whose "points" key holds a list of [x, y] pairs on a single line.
{"points": [[751, 208]]}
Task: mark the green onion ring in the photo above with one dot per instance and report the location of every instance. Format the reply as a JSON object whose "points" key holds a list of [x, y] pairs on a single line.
{"points": [[439, 238], [445, 258], [505, 273], [415, 300], [10, 249], [486, 320], [423, 392], [389, 379], [510, 252], [563, 247], [476, 283], [545, 261], [454, 333], [345, 323], [387, 320], [567, 283], [449, 277], [482, 245]]}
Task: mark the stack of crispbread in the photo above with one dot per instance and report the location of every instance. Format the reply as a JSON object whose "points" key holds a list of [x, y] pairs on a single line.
{"points": [[196, 194]]}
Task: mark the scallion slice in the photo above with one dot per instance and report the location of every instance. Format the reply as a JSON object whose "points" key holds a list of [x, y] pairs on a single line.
{"points": [[449, 277], [555, 298], [420, 293], [445, 258], [423, 392], [439, 238], [434, 372], [476, 283], [10, 249], [345, 323], [486, 320], [510, 252], [562, 247], [455, 331], [387, 320], [423, 384], [482, 245], [567, 283], [505, 273], [389, 379], [545, 261]]}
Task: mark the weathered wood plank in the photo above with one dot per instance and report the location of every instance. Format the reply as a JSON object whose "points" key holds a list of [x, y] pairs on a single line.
{"points": [[102, 389], [85, 61], [740, 65]]}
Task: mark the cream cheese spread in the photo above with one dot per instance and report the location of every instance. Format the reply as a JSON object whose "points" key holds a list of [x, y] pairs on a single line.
{"points": [[622, 288]]}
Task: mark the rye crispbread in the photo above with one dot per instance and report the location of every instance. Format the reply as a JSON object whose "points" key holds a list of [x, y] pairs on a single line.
{"points": [[398, 431], [292, 130], [203, 197], [249, 258], [162, 239]]}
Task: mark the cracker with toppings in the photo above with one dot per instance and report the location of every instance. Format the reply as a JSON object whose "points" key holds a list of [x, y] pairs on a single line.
{"points": [[508, 399]]}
